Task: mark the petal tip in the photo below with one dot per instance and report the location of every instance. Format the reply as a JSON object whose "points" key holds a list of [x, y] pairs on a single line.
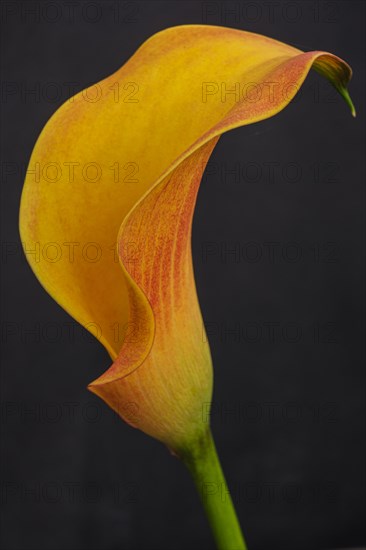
{"points": [[345, 94]]}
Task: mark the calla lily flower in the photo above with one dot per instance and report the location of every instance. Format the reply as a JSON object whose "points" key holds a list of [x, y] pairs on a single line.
{"points": [[119, 165]]}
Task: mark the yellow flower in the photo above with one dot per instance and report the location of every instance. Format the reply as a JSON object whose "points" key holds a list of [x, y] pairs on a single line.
{"points": [[119, 165]]}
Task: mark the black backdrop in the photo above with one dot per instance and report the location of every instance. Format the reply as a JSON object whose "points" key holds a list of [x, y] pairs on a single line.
{"points": [[283, 312]]}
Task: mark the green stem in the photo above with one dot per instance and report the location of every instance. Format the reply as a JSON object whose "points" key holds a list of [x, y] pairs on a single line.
{"points": [[204, 465]]}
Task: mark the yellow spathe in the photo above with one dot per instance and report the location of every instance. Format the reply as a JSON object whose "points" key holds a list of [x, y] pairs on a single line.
{"points": [[116, 172]]}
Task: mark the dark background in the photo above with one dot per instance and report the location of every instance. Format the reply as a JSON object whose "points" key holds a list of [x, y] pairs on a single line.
{"points": [[288, 401]]}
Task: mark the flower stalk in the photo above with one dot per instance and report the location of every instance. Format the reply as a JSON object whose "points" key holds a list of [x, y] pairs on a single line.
{"points": [[204, 466]]}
